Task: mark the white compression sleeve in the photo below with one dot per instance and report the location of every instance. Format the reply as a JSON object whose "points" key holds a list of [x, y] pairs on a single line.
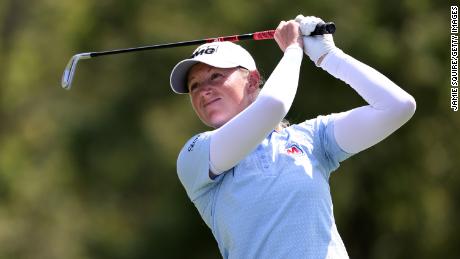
{"points": [[239, 136], [389, 106]]}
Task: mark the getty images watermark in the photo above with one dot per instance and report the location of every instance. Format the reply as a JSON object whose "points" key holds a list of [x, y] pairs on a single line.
{"points": [[454, 57]]}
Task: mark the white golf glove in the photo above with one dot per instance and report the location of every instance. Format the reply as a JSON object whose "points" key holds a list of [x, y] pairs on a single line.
{"points": [[316, 46]]}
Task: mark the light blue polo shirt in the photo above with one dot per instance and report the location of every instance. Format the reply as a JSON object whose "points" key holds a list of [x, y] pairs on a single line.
{"points": [[276, 202]]}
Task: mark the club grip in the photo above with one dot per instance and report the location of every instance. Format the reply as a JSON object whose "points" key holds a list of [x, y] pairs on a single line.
{"points": [[324, 28], [321, 28], [264, 35]]}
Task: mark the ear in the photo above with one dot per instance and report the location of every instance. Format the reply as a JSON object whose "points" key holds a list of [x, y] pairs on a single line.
{"points": [[253, 81]]}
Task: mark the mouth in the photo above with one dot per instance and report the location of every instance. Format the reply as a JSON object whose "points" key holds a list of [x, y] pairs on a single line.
{"points": [[211, 102]]}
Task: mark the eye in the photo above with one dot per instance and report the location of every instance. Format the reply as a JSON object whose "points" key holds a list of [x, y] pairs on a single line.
{"points": [[192, 87], [214, 76]]}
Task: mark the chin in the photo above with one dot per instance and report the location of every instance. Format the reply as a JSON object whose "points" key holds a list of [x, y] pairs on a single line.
{"points": [[216, 122], [216, 125]]}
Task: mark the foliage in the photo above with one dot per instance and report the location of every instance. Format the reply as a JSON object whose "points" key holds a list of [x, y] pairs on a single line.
{"points": [[90, 173]]}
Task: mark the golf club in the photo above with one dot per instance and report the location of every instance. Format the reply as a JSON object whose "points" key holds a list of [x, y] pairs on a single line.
{"points": [[67, 77]]}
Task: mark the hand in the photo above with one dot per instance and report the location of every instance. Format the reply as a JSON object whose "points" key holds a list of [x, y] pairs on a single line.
{"points": [[315, 47], [287, 34]]}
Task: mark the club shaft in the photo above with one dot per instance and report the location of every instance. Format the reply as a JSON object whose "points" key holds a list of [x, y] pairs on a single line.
{"points": [[69, 71], [323, 28]]}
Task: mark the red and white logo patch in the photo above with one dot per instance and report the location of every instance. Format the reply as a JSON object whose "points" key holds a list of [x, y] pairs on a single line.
{"points": [[294, 149]]}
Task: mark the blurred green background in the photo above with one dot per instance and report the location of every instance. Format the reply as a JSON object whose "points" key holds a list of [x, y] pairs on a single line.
{"points": [[90, 172]]}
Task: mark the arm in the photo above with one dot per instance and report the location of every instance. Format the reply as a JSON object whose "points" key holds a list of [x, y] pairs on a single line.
{"points": [[389, 106], [239, 136]]}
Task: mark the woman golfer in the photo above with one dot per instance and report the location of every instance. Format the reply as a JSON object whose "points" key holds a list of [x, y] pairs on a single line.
{"points": [[261, 186]]}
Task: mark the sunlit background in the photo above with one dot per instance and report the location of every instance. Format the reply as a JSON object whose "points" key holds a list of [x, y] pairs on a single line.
{"points": [[90, 172]]}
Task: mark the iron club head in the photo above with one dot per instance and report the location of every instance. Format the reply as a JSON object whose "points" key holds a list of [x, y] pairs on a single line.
{"points": [[69, 71]]}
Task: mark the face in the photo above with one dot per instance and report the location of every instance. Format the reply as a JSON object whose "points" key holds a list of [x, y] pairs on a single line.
{"points": [[218, 94]]}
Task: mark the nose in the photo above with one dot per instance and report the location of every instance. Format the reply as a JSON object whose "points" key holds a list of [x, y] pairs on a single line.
{"points": [[205, 90]]}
